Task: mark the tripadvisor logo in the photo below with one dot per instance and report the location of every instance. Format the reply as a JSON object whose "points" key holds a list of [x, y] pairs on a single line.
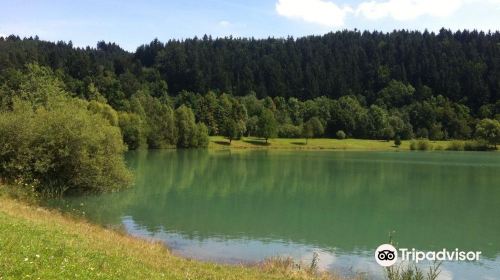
{"points": [[387, 255]]}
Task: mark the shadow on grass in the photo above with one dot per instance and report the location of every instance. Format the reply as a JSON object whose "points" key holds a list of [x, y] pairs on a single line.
{"points": [[257, 142], [224, 143], [299, 143]]}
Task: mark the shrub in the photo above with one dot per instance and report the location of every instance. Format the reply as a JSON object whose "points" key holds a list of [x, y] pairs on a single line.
{"points": [[477, 145], [421, 145], [190, 134], [424, 145], [312, 128], [60, 149], [267, 125], [133, 130], [233, 130], [397, 141], [289, 131], [489, 130], [413, 145], [201, 135], [455, 146], [340, 135]]}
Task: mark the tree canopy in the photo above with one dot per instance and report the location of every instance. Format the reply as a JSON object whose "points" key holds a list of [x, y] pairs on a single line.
{"points": [[367, 84]]}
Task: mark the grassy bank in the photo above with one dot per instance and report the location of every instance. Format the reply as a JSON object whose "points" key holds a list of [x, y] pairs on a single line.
{"points": [[219, 142], [36, 243]]}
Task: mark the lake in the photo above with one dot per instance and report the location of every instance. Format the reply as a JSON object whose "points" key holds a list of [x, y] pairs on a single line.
{"points": [[244, 206]]}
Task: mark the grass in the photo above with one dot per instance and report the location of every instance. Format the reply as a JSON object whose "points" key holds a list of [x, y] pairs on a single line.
{"points": [[36, 243], [219, 142]]}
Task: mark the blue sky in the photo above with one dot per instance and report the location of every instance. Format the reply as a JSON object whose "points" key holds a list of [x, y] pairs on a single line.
{"points": [[131, 23]]}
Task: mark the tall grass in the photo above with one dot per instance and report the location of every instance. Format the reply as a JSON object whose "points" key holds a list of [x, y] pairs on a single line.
{"points": [[420, 145], [412, 272], [456, 146], [292, 269], [477, 145]]}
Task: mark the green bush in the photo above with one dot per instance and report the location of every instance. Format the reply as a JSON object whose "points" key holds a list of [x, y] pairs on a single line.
{"points": [[160, 126], [65, 148], [267, 125], [421, 145], [424, 145], [190, 135], [413, 145], [133, 130], [477, 145], [397, 141], [488, 130], [56, 144], [289, 131], [456, 146], [438, 148], [340, 135], [202, 138]]}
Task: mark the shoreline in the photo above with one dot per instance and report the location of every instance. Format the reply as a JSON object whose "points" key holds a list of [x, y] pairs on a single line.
{"points": [[317, 144], [32, 238]]}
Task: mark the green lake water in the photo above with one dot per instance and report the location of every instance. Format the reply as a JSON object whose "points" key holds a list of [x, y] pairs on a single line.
{"points": [[245, 206]]}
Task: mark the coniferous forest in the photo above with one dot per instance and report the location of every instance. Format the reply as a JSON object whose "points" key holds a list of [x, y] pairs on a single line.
{"points": [[374, 85]]}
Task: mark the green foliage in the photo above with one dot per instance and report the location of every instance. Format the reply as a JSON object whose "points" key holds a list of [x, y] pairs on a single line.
{"points": [[312, 128], [233, 118], [421, 145], [436, 132], [396, 94], [133, 131], [161, 127], [340, 135], [234, 129], [477, 145], [202, 138], [184, 119], [190, 134], [253, 126], [266, 125], [378, 125], [456, 146], [63, 149], [58, 144], [397, 141], [376, 96], [489, 130], [289, 131], [106, 111], [401, 126]]}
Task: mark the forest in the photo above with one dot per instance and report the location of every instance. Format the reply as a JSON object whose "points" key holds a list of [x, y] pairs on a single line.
{"points": [[371, 85], [365, 84]]}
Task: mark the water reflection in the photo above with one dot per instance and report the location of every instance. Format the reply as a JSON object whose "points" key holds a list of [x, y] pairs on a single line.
{"points": [[245, 206]]}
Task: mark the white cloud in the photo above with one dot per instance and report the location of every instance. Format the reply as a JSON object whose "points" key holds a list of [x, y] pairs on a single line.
{"points": [[330, 13], [314, 11], [407, 9], [224, 23]]}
